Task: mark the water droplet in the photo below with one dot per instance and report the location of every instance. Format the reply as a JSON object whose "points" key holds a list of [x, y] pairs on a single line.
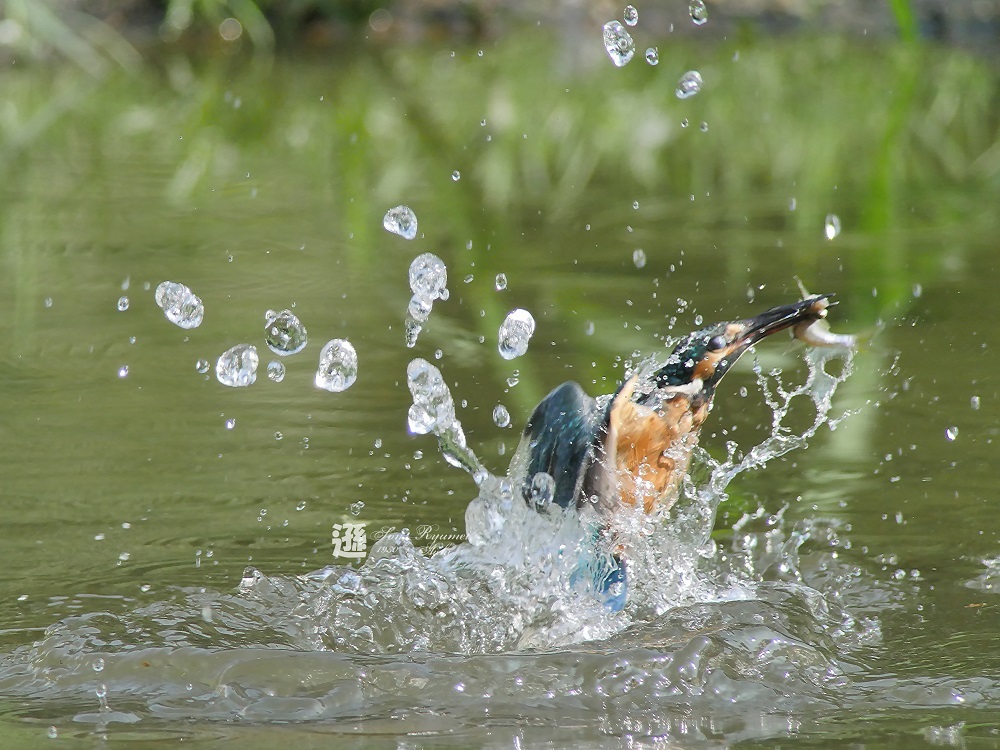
{"points": [[357, 507], [703, 127], [974, 403], [338, 366], [618, 43], [684, 123], [123, 371], [501, 417], [588, 329], [48, 302], [639, 257], [402, 221], [515, 332], [631, 15], [918, 290], [456, 175], [832, 226], [652, 56], [284, 334], [201, 366], [124, 556], [230, 424], [743, 391], [543, 489], [951, 433], [428, 277], [98, 664], [792, 204], [501, 282], [179, 304], [301, 505], [123, 303], [698, 11], [53, 733], [689, 84], [237, 367], [275, 371]]}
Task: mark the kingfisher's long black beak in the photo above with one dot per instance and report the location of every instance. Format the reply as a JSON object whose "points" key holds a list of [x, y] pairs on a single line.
{"points": [[735, 338], [779, 318]]}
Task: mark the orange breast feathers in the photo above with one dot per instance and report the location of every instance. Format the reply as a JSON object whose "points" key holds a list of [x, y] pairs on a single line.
{"points": [[652, 447]]}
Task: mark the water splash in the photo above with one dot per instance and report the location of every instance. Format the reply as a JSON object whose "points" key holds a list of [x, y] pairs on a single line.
{"points": [[433, 411], [428, 282]]}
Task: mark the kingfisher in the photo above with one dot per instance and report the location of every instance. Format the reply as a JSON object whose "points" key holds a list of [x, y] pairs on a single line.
{"points": [[634, 448]]}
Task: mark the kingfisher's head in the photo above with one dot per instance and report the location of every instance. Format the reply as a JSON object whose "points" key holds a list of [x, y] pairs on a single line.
{"points": [[701, 359]]}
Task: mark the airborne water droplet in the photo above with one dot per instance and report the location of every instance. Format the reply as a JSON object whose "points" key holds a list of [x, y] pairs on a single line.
{"points": [[631, 15], [402, 221], [179, 304], [832, 226], [698, 11], [338, 366], [951, 433], [122, 303], [639, 257], [652, 56], [201, 366], [284, 334], [501, 282], [501, 417], [428, 277], [689, 84], [515, 332], [237, 367], [357, 507], [275, 371], [618, 43], [974, 403], [456, 175]]}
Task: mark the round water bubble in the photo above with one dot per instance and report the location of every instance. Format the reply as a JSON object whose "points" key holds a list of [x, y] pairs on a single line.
{"points": [[284, 334], [618, 42], [501, 417], [428, 277], [338, 366], [275, 371], [515, 332], [501, 282], [652, 56], [631, 15], [179, 304], [542, 490], [357, 507], [122, 303], [402, 221], [237, 367], [202, 366], [689, 84], [831, 226], [698, 11], [639, 257]]}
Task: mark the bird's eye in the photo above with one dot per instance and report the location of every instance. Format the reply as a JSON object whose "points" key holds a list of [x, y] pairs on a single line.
{"points": [[716, 343]]}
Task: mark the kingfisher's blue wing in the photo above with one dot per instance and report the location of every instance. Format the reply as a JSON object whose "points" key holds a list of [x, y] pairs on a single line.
{"points": [[563, 432]]}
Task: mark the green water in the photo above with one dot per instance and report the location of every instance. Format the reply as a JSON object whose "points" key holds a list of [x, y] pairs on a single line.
{"points": [[262, 184]]}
